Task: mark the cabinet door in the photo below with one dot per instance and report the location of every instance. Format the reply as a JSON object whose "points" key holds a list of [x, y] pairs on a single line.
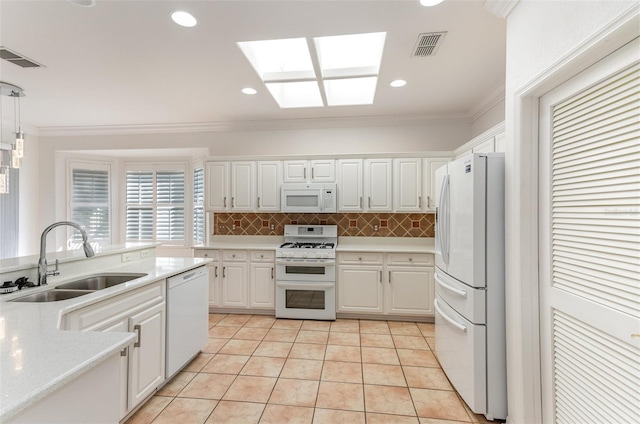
{"points": [[262, 288], [217, 186], [410, 290], [243, 176], [214, 283], [360, 289], [407, 187], [121, 326], [377, 185], [430, 165], [146, 362], [234, 284], [269, 178], [350, 184], [295, 171], [485, 147], [323, 171]]}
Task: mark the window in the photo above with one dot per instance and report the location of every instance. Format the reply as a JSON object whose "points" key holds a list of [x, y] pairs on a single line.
{"points": [[9, 214], [198, 206], [90, 205], [155, 204]]}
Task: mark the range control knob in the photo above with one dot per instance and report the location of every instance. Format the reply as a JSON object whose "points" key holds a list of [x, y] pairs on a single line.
{"points": [[304, 255]]}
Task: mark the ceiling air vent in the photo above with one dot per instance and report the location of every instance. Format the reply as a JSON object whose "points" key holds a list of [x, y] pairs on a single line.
{"points": [[428, 43], [17, 59]]}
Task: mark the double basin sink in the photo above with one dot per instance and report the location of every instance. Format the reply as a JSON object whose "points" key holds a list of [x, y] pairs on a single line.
{"points": [[80, 287]]}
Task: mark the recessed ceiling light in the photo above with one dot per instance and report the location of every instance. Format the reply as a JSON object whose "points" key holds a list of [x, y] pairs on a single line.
{"points": [[398, 83], [430, 3], [249, 90], [184, 19], [84, 3]]}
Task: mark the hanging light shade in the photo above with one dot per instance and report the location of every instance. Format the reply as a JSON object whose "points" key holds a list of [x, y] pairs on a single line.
{"points": [[17, 145]]}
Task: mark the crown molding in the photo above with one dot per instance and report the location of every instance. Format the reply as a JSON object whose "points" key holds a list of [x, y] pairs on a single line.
{"points": [[492, 98], [500, 8], [265, 125]]}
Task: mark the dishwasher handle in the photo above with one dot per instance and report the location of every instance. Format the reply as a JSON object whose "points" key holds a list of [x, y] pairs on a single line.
{"points": [[186, 277]]}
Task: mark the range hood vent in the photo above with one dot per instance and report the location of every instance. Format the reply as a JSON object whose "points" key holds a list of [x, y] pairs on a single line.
{"points": [[17, 59], [428, 43]]}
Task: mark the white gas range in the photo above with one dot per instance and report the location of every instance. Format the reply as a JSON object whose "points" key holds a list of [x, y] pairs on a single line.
{"points": [[306, 272]]}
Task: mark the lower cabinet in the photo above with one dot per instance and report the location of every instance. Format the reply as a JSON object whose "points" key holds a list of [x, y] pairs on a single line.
{"points": [[391, 283], [240, 278], [141, 311]]}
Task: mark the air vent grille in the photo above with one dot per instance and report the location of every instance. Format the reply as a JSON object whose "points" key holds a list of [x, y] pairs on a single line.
{"points": [[17, 59], [428, 43]]}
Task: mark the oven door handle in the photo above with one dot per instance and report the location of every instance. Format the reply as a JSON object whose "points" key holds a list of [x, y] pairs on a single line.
{"points": [[311, 286], [303, 262]]}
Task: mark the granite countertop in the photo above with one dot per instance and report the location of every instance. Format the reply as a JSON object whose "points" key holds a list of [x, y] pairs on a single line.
{"points": [[345, 244], [37, 358]]}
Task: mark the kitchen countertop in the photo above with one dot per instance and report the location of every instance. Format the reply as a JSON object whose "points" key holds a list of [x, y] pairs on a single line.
{"points": [[345, 244], [37, 358]]}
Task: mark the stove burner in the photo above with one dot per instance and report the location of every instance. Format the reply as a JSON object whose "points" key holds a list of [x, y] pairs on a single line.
{"points": [[295, 245]]}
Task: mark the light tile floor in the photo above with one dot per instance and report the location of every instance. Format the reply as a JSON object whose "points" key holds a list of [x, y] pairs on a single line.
{"points": [[258, 369]]}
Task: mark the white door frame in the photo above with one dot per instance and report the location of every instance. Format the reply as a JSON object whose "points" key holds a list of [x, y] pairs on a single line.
{"points": [[522, 295]]}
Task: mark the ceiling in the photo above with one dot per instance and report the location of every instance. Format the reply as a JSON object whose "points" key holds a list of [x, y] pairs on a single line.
{"points": [[125, 63]]}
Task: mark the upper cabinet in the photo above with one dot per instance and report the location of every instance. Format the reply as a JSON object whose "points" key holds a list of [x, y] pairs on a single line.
{"points": [[315, 171], [429, 167], [490, 141], [269, 180], [243, 176], [217, 186], [407, 185], [350, 185], [377, 185]]}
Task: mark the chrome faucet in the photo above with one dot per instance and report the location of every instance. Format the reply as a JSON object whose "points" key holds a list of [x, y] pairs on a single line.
{"points": [[42, 263]]}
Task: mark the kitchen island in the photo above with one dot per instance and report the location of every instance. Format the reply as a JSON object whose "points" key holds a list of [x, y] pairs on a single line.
{"points": [[38, 357]]}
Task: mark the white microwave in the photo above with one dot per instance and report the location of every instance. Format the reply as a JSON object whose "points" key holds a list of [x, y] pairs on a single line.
{"points": [[308, 198]]}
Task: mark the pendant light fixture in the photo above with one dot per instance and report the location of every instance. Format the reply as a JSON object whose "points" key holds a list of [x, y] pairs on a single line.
{"points": [[17, 145]]}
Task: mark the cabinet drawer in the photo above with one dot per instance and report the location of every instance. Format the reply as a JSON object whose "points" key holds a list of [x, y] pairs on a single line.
{"points": [[364, 258], [410, 259], [234, 255], [213, 254], [96, 316], [263, 255]]}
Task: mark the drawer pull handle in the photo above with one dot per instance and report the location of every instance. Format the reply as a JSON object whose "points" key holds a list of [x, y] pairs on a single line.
{"points": [[262, 256], [447, 318], [410, 259], [123, 352], [206, 255], [447, 287], [360, 258], [138, 329]]}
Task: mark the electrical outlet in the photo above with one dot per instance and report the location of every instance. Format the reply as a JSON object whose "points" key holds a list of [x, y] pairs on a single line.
{"points": [[144, 254], [273, 226], [126, 257], [233, 227], [375, 228]]}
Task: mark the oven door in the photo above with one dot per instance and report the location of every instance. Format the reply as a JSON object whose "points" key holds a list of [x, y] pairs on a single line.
{"points": [[306, 270], [306, 300]]}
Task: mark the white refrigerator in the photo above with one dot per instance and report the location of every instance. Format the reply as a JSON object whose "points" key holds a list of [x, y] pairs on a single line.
{"points": [[469, 301]]}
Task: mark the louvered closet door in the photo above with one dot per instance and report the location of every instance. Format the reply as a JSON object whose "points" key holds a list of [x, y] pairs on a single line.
{"points": [[590, 244]]}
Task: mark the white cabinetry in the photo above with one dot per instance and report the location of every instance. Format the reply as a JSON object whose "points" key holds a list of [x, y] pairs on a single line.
{"points": [[315, 171], [217, 189], [429, 167], [215, 272], [234, 278], [243, 175], [377, 185], [269, 179], [141, 311], [240, 279], [350, 185], [407, 187], [389, 284], [262, 282]]}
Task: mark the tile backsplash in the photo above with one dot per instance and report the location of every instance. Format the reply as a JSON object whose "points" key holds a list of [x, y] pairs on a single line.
{"points": [[349, 224]]}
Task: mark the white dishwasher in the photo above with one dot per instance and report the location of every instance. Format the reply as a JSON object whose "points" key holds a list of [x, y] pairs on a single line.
{"points": [[187, 317]]}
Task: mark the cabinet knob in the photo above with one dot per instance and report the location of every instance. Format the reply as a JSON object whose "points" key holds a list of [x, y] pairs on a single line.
{"points": [[233, 256], [262, 256], [410, 259], [206, 255], [359, 259]]}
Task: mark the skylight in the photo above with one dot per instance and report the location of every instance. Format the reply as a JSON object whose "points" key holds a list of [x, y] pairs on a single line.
{"points": [[348, 67]]}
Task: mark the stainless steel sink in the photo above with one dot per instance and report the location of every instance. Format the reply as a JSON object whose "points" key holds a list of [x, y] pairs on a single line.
{"points": [[52, 296], [100, 281]]}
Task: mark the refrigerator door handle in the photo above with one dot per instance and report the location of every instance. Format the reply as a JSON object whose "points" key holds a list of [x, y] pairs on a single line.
{"points": [[447, 287], [447, 318], [443, 221]]}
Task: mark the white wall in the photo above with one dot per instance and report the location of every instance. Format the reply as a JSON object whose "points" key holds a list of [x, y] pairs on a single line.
{"points": [[489, 119], [29, 198], [542, 36]]}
